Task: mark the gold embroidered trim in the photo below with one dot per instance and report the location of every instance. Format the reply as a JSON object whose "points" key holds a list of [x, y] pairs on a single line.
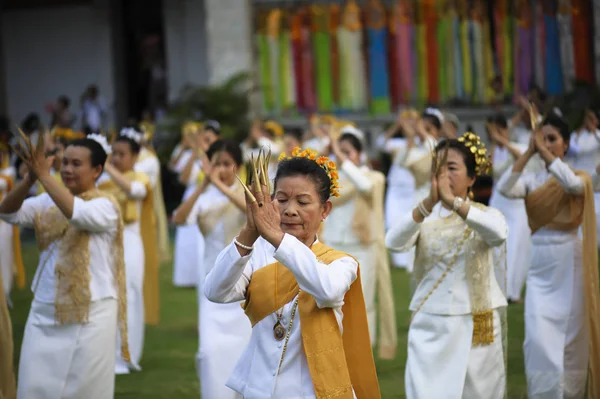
{"points": [[73, 294], [477, 269], [483, 328]]}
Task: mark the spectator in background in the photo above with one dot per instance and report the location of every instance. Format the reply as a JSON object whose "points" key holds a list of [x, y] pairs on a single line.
{"points": [[93, 110], [62, 116]]}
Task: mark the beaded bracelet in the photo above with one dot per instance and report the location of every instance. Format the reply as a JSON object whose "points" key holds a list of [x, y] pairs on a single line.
{"points": [[422, 209], [239, 244]]}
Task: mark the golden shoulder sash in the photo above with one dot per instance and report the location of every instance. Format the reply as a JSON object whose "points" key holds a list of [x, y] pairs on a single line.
{"points": [[337, 363], [148, 232], [552, 207]]}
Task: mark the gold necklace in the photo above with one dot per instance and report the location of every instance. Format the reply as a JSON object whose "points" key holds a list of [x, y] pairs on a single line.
{"points": [[278, 329]]}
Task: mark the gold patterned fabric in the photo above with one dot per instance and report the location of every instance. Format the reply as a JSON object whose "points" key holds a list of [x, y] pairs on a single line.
{"points": [[72, 270], [444, 241], [337, 364]]}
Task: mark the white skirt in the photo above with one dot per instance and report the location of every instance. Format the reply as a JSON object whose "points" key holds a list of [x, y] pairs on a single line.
{"points": [[556, 343], [134, 271], [6, 257], [189, 250], [224, 334], [443, 363], [518, 243], [68, 361]]}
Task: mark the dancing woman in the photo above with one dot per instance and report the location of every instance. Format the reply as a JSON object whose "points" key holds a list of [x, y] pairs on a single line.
{"points": [[133, 193], [310, 337], [455, 339], [218, 208], [79, 286], [562, 327], [356, 226]]}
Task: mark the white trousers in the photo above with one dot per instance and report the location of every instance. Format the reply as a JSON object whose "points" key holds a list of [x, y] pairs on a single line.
{"points": [[443, 363], [72, 361]]}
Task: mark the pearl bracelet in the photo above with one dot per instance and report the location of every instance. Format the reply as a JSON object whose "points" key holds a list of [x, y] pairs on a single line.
{"points": [[239, 244]]}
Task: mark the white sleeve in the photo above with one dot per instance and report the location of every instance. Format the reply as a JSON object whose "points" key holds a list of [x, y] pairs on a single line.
{"points": [[138, 191], [490, 224], [566, 177], [328, 284], [228, 280], [359, 179], [25, 216], [3, 185], [404, 234], [98, 215], [514, 184]]}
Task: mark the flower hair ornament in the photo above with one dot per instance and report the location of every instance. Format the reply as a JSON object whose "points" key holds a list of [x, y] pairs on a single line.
{"points": [[274, 127], [478, 149], [100, 139], [132, 134], [324, 162]]}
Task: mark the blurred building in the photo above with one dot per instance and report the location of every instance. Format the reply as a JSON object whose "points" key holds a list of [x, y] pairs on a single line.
{"points": [[139, 53]]}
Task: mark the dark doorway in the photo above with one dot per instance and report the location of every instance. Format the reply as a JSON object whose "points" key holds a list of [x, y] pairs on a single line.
{"points": [[142, 57]]}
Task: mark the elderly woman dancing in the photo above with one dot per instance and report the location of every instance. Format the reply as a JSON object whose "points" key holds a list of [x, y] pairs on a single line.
{"points": [[310, 337]]}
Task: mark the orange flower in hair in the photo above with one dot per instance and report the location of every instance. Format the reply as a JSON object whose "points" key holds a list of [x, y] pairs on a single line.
{"points": [[324, 162]]}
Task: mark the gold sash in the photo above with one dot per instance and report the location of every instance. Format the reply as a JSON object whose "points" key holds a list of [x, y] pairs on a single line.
{"points": [[129, 210], [7, 376], [18, 266], [72, 270], [338, 364], [162, 226], [550, 206]]}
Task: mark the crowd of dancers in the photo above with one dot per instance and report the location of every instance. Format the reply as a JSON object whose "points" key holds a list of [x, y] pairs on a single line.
{"points": [[289, 237]]}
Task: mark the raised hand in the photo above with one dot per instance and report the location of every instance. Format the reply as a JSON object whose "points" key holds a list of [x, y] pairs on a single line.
{"points": [[38, 163], [444, 190]]}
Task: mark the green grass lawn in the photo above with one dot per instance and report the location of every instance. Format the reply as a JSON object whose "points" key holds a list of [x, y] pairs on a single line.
{"points": [[168, 362]]}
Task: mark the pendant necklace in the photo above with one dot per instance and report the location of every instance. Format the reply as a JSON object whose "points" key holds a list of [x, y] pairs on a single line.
{"points": [[278, 329]]}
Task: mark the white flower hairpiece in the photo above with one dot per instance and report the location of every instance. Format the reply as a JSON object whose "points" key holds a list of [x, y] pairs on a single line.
{"points": [[435, 112], [349, 129], [133, 134], [100, 139]]}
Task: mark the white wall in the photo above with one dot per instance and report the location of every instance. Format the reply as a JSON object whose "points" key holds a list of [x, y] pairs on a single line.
{"points": [[229, 38], [185, 38], [54, 51]]}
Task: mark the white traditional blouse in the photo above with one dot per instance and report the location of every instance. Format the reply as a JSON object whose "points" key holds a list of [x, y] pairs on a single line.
{"points": [[338, 226], [452, 295], [98, 216], [255, 375]]}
